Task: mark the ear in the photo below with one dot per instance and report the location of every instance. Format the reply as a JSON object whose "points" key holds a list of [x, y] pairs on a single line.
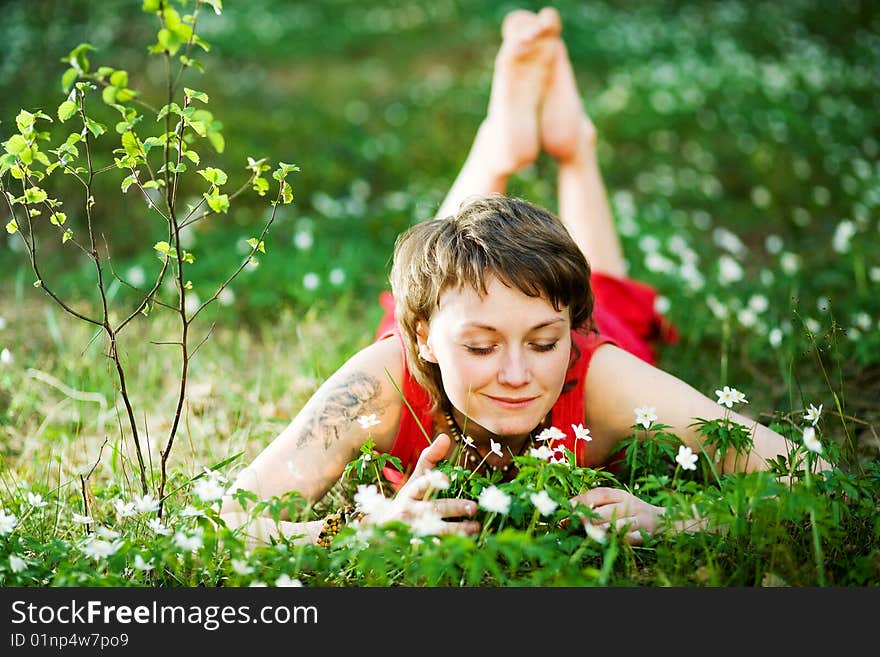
{"points": [[425, 351]]}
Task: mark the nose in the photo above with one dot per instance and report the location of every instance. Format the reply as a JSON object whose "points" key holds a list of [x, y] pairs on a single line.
{"points": [[514, 370]]}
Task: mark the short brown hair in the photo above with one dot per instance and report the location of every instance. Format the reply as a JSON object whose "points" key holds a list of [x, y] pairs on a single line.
{"points": [[523, 245]]}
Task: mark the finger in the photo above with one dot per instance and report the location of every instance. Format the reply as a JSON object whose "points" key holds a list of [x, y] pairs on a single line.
{"points": [[602, 495], [452, 508], [419, 487], [432, 455], [634, 537], [463, 528]]}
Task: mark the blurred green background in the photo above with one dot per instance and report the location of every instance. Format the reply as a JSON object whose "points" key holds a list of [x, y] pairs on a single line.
{"points": [[740, 130]]}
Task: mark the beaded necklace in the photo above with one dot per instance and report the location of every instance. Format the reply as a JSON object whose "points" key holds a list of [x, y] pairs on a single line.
{"points": [[473, 455]]}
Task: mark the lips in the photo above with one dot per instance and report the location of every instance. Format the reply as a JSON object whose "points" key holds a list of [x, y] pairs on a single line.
{"points": [[512, 402]]}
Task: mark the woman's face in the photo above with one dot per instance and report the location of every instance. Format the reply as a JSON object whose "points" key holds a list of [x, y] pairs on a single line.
{"points": [[503, 356]]}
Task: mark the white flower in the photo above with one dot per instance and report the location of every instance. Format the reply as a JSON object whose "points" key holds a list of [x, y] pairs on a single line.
{"points": [[436, 480], [337, 276], [156, 525], [303, 240], [369, 500], [100, 549], [811, 442], [136, 275], [241, 567], [543, 503], [468, 440], [8, 522], [542, 452], [311, 281], [495, 448], [367, 421], [124, 509], [366, 458], [551, 433], [256, 584], [686, 458], [581, 433], [730, 396], [16, 563], [82, 520], [729, 270], [36, 500], [146, 504], [188, 543], [812, 414], [140, 564], [106, 533], [6, 357], [286, 580], [595, 532], [494, 499], [2, 323], [775, 337], [427, 524], [209, 489], [645, 415]]}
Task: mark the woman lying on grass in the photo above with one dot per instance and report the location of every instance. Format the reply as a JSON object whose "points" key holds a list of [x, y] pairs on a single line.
{"points": [[508, 332]]}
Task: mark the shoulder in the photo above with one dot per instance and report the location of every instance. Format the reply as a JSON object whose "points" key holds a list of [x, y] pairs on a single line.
{"points": [[369, 380]]}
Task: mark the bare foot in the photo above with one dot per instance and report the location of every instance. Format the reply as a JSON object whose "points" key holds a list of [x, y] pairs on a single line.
{"points": [[565, 126], [511, 128]]}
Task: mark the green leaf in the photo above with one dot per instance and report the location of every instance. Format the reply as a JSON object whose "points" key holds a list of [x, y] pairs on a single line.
{"points": [[165, 248], [25, 121], [286, 193], [119, 78], [67, 235], [152, 142], [217, 141], [128, 182], [195, 63], [15, 145], [261, 186], [259, 246], [151, 5], [67, 80], [213, 175], [131, 144], [216, 4], [124, 95], [66, 110], [58, 218], [35, 195], [195, 95], [12, 227], [109, 94], [95, 128], [77, 58], [217, 202], [192, 156]]}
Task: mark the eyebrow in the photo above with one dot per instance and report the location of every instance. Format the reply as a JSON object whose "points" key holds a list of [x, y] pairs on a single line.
{"points": [[536, 327]]}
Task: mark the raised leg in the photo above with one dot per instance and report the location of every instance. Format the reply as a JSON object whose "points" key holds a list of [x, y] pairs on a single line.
{"points": [[508, 139], [568, 134]]}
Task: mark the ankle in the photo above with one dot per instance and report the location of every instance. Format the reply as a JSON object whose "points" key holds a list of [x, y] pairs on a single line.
{"points": [[583, 151]]}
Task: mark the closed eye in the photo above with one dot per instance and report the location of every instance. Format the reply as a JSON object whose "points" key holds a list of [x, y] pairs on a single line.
{"points": [[479, 351], [545, 347]]}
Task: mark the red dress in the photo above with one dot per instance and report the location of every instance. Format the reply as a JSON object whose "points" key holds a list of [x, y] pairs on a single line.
{"points": [[624, 315]]}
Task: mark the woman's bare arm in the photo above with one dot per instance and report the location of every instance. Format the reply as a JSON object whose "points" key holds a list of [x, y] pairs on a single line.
{"points": [[311, 453], [618, 382]]}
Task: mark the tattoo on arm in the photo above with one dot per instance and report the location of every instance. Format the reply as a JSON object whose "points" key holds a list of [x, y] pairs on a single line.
{"points": [[356, 395]]}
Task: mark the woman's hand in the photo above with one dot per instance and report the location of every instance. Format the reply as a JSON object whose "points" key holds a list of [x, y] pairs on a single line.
{"points": [[628, 513], [412, 502]]}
